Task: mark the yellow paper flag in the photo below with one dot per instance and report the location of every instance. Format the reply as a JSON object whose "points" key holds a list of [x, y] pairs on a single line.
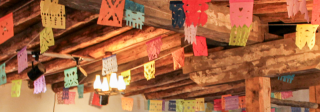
{"points": [[189, 105], [239, 35], [127, 103], [149, 70], [306, 34], [200, 104], [126, 76], [155, 106], [209, 107], [179, 105], [53, 14], [16, 87], [277, 95], [46, 39]]}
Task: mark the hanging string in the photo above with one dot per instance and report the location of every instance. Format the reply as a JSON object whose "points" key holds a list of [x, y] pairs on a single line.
{"points": [[23, 6], [54, 102]]}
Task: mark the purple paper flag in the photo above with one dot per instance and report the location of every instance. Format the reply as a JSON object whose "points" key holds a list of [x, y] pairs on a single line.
{"points": [[22, 59], [163, 105], [65, 94], [172, 105], [295, 109], [231, 102], [40, 85]]}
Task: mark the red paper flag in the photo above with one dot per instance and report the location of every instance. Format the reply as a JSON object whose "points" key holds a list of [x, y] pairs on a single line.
{"points": [[6, 28], [194, 11], [287, 94], [241, 12], [200, 46], [153, 48], [316, 12], [178, 58], [111, 12], [217, 105], [95, 100], [242, 101]]}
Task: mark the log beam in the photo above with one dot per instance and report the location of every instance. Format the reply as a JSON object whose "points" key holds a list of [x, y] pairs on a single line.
{"points": [[258, 93], [295, 103], [279, 7], [314, 92], [283, 16]]}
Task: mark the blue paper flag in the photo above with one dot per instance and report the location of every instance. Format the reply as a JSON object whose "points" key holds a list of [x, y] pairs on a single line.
{"points": [[80, 90], [295, 109], [178, 15], [306, 109], [65, 94], [172, 105], [3, 76], [130, 5], [287, 78], [272, 95]]}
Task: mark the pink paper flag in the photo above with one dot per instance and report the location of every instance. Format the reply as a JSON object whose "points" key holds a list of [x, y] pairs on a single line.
{"points": [[195, 12], [178, 58], [273, 109], [303, 9], [40, 85], [22, 59], [154, 48], [190, 33], [231, 102], [293, 6], [316, 12], [200, 47], [217, 105], [72, 96], [287, 94], [241, 12]]}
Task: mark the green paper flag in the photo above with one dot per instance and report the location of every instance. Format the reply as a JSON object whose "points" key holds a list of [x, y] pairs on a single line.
{"points": [[179, 105], [70, 77], [3, 76], [80, 90]]}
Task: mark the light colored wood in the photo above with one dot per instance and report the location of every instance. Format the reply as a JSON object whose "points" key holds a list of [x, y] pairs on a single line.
{"points": [[312, 97], [258, 93], [283, 16], [276, 8], [292, 103]]}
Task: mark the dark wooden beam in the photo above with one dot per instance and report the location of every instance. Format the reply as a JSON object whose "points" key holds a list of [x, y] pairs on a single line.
{"points": [[278, 7], [295, 103], [283, 16]]}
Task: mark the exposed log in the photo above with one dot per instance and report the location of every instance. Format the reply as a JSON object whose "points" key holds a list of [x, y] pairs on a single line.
{"points": [[295, 103], [314, 92], [158, 14], [276, 17], [275, 7], [258, 94]]}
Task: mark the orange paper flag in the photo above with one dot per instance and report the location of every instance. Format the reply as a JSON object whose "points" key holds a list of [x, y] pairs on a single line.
{"points": [[223, 101], [111, 12], [6, 28]]}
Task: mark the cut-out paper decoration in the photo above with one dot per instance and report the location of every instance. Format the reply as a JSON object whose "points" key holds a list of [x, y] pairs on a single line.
{"points": [[316, 12], [295, 109], [40, 85], [59, 97], [71, 98], [239, 35], [287, 78], [273, 109], [22, 59], [126, 76], [110, 65], [195, 12], [155, 106], [231, 102], [178, 16], [200, 46], [16, 88], [65, 94], [3, 76], [70, 77], [217, 104], [190, 33], [95, 100], [111, 13], [179, 105], [209, 107], [242, 101], [149, 70], [80, 90], [154, 48], [163, 105], [53, 15], [272, 95], [189, 105], [287, 94], [306, 33], [277, 95], [6, 28], [199, 104], [46, 39], [134, 14], [223, 100], [178, 58], [293, 6], [130, 5], [306, 109], [146, 104], [172, 105], [127, 103]]}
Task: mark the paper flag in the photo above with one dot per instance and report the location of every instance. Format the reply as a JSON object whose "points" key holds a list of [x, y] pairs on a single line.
{"points": [[179, 105], [316, 12], [306, 34], [189, 105], [53, 15], [6, 28], [231, 102], [242, 101], [306, 109], [272, 95], [146, 104], [200, 46], [135, 20], [236, 110], [273, 109], [287, 94], [294, 6], [127, 103], [71, 98], [22, 59], [40, 85], [178, 16], [239, 35], [65, 94], [199, 104], [209, 107], [155, 106], [130, 5], [3, 76], [223, 100], [241, 12], [163, 105], [217, 104], [59, 97], [154, 48], [295, 109], [178, 58], [95, 100], [80, 90], [126, 76], [190, 33], [149, 70], [277, 95], [111, 13], [110, 65], [16, 88], [70, 77], [195, 11], [172, 105], [46, 39], [287, 78]]}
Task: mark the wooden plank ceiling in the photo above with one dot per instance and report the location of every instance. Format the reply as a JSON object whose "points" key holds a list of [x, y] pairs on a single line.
{"points": [[222, 72]]}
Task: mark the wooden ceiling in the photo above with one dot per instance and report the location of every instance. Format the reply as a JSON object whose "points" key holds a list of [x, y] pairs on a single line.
{"points": [[222, 72]]}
